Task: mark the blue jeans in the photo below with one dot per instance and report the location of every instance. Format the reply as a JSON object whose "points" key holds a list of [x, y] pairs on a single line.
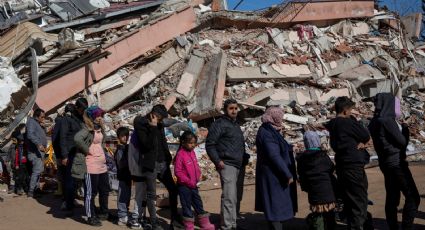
{"points": [[36, 161], [190, 198]]}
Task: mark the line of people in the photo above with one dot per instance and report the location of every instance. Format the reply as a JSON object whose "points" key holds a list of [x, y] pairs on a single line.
{"points": [[143, 157]]}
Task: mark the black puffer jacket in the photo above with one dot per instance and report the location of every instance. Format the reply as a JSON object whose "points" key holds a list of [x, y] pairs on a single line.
{"points": [[225, 142], [315, 170], [151, 141], [389, 140]]}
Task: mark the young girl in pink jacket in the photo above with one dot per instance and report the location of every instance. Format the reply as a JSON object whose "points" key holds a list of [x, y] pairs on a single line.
{"points": [[188, 175]]}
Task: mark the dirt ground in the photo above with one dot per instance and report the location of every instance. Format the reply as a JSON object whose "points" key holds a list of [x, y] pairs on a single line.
{"points": [[44, 213]]}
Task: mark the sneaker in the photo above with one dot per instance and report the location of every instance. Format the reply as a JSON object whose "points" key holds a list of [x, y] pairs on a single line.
{"points": [[103, 216], [122, 222], [32, 195], [156, 227], [134, 224], [93, 221], [20, 192]]}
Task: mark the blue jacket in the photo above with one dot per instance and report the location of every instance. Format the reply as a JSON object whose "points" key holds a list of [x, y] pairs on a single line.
{"points": [[275, 166], [36, 135]]}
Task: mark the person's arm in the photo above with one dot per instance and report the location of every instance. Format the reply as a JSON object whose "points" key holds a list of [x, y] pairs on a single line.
{"points": [[80, 141], [17, 160], [214, 134], [63, 143], [197, 168], [31, 133], [360, 133], [146, 135], [180, 172], [272, 151], [392, 129]]}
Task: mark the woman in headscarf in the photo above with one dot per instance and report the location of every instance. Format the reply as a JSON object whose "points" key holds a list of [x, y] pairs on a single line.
{"points": [[275, 192], [90, 142]]}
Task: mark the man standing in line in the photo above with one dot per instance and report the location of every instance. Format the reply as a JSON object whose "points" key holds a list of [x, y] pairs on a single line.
{"points": [[37, 143], [155, 161], [71, 123], [225, 146]]}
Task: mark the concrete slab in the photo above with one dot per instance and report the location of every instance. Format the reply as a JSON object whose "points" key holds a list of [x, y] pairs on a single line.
{"points": [[139, 79], [364, 74], [241, 74], [190, 76]]}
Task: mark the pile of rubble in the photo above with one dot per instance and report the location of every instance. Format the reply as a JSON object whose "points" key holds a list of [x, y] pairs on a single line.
{"points": [[192, 55]]}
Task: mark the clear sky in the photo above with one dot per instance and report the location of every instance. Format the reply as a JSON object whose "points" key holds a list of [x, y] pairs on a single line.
{"points": [[401, 6]]}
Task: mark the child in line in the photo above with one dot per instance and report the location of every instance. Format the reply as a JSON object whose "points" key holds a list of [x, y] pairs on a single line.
{"points": [[188, 175], [90, 140], [348, 138], [20, 172], [315, 170], [124, 178]]}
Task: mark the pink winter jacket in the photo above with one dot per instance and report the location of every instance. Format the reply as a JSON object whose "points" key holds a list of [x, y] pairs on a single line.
{"points": [[186, 168]]}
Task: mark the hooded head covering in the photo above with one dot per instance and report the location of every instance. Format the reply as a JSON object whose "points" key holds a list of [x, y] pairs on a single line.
{"points": [[311, 140], [94, 112], [385, 105], [274, 116]]}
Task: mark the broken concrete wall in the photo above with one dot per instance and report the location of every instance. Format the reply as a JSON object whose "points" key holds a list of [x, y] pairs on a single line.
{"points": [[122, 51]]}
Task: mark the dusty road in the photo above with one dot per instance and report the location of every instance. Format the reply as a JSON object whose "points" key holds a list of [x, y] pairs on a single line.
{"points": [[28, 214]]}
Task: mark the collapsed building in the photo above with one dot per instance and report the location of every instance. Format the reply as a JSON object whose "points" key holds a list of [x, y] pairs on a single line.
{"points": [[190, 55]]}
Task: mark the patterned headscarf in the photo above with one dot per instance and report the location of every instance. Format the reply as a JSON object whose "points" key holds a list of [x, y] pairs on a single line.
{"points": [[94, 112], [274, 116]]}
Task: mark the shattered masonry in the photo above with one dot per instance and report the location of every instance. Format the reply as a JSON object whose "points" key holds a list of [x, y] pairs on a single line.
{"points": [[192, 55]]}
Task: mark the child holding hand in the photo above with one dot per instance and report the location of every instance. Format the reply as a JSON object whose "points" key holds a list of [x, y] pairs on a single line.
{"points": [[188, 175]]}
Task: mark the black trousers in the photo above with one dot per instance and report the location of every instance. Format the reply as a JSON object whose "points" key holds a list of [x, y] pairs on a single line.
{"points": [[94, 184], [399, 179], [162, 172], [353, 185]]}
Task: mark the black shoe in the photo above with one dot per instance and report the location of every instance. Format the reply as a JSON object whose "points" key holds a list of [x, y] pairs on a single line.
{"points": [[176, 225], [69, 212], [103, 216], [93, 221], [10, 189]]}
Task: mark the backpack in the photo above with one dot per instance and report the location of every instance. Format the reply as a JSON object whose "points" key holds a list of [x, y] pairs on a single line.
{"points": [[134, 156]]}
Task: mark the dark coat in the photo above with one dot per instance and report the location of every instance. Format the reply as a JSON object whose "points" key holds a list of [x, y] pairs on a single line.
{"points": [[389, 141], [315, 170], [69, 126], [225, 142], [151, 140], [275, 166]]}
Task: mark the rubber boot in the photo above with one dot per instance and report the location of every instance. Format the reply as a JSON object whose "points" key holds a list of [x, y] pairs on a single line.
{"points": [[204, 222], [189, 223]]}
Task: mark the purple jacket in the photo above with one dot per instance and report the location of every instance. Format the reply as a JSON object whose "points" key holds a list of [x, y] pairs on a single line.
{"points": [[186, 168]]}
